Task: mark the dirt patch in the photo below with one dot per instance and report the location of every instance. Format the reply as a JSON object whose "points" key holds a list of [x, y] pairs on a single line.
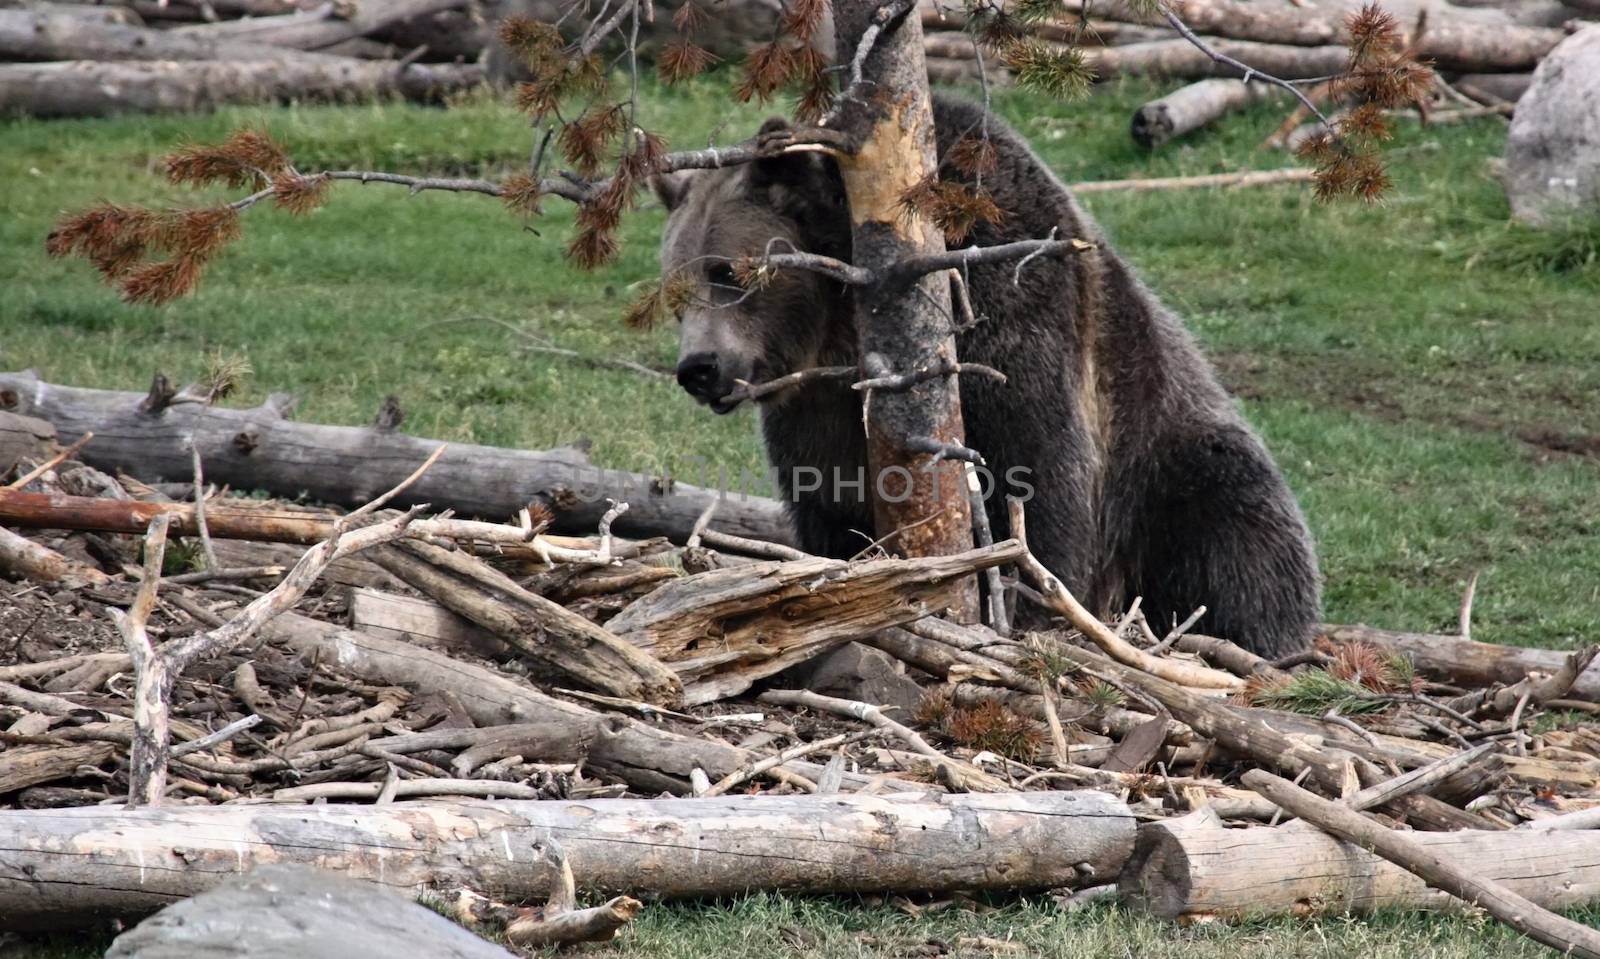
{"points": [[1478, 400]]}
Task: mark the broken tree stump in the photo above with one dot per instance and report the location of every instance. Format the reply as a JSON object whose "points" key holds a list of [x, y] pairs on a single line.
{"points": [[65, 865]]}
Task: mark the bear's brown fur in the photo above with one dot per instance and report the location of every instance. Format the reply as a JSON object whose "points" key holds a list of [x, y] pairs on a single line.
{"points": [[1145, 479]]}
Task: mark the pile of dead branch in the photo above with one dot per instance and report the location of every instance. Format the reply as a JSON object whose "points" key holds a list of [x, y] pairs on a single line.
{"points": [[183, 670]]}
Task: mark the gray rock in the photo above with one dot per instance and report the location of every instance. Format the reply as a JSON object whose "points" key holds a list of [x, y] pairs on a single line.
{"points": [[861, 673], [294, 912], [1552, 170]]}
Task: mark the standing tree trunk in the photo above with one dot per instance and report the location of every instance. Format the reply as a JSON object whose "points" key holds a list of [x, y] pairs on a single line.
{"points": [[919, 496]]}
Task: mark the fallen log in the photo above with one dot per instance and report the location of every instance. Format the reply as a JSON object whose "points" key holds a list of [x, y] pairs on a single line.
{"points": [[147, 437], [1177, 59], [1196, 868], [1435, 866], [79, 88], [62, 866], [295, 912], [1494, 87], [311, 30], [23, 438], [1467, 662], [37, 35], [1191, 107], [1455, 39], [723, 630]]}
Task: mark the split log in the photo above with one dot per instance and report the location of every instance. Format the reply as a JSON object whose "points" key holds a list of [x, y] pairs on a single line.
{"points": [[723, 630], [1195, 867], [646, 757], [1466, 662], [547, 633], [23, 438], [314, 29], [24, 766], [1471, 884], [260, 449], [63, 866], [1191, 107], [295, 912], [78, 88]]}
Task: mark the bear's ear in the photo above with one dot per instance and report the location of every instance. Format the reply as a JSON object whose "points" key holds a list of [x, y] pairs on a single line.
{"points": [[773, 125], [670, 188]]}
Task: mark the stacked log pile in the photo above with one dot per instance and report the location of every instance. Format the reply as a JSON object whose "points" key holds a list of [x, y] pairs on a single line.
{"points": [[75, 59], [436, 703]]}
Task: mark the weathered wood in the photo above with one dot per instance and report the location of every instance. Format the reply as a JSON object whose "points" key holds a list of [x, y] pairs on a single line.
{"points": [[22, 557], [23, 438], [722, 630], [1191, 107], [1179, 59], [547, 633], [261, 450], [423, 622], [24, 766], [296, 912], [646, 757], [63, 865], [1195, 867], [43, 35], [1465, 662], [81, 88], [314, 29], [1464, 877]]}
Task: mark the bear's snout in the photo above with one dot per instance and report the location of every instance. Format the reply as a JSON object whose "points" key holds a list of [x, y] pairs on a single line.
{"points": [[701, 376]]}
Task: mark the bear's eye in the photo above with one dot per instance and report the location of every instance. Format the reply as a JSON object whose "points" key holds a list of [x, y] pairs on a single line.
{"points": [[721, 274]]}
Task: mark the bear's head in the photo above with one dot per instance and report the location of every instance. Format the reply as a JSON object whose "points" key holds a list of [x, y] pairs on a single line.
{"points": [[786, 204]]}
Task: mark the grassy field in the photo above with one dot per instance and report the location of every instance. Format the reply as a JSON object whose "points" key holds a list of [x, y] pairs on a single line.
{"points": [[1422, 370]]}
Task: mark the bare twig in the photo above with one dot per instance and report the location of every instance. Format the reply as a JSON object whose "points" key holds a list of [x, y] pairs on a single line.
{"points": [[751, 770]]}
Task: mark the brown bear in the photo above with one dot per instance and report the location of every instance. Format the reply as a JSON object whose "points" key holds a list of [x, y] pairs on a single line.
{"points": [[1143, 479]]}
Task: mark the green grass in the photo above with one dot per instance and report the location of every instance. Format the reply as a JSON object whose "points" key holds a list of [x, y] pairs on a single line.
{"points": [[1423, 371]]}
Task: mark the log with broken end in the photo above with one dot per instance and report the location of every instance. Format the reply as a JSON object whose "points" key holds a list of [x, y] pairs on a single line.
{"points": [[63, 866], [1195, 867]]}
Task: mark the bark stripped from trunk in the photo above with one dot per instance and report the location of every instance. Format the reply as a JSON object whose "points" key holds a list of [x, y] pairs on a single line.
{"points": [[890, 118]]}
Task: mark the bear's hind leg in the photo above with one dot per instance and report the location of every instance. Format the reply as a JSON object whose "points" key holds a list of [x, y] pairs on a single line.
{"points": [[1213, 523]]}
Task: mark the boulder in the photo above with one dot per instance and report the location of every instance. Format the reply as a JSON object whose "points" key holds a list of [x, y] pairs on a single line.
{"points": [[293, 912], [1552, 170]]}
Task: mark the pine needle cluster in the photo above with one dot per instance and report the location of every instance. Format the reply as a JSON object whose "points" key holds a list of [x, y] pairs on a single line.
{"points": [[660, 301], [1007, 31], [955, 208], [1381, 74], [156, 256], [986, 726]]}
